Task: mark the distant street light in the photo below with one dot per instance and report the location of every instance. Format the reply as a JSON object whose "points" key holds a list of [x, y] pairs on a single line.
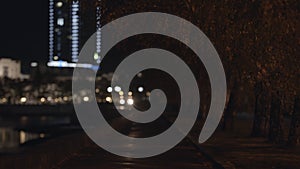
{"points": [[130, 101], [65, 98], [109, 99], [23, 100], [109, 89], [118, 89], [43, 99], [86, 99], [122, 101], [141, 89], [34, 64]]}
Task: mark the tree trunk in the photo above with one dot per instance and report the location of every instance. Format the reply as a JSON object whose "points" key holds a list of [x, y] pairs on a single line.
{"points": [[228, 120], [276, 118], [260, 112], [294, 133]]}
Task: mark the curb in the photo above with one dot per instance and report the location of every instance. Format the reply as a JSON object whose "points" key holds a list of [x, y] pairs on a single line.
{"points": [[216, 164]]}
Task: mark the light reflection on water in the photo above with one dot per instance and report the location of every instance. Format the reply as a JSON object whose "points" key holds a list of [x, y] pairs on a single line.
{"points": [[43, 120], [10, 138], [17, 131]]}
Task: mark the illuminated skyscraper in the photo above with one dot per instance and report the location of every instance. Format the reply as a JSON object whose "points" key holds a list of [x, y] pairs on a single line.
{"points": [[71, 23], [75, 20], [98, 33]]}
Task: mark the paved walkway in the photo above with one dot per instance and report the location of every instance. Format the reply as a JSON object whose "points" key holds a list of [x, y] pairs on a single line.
{"points": [[184, 156]]}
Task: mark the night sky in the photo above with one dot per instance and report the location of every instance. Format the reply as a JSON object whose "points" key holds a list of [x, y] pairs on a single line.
{"points": [[24, 30]]}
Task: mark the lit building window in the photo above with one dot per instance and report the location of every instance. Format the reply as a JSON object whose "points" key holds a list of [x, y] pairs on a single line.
{"points": [[55, 57], [59, 4], [60, 21], [34, 64]]}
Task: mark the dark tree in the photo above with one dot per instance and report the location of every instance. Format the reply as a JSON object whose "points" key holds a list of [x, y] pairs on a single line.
{"points": [[229, 113], [276, 134], [294, 134], [261, 116]]}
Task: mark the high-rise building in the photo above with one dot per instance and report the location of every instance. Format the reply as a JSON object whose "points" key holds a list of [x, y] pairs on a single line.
{"points": [[71, 23]]}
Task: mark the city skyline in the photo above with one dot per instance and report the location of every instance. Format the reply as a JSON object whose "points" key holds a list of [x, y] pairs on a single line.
{"points": [[45, 35], [71, 23]]}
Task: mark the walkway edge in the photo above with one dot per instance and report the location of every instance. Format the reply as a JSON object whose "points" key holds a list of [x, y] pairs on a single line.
{"points": [[216, 164]]}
